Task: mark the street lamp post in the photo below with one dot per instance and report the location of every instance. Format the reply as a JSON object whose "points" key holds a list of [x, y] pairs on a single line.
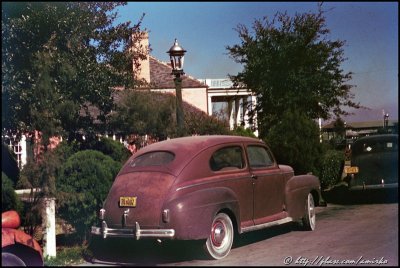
{"points": [[385, 121], [176, 54]]}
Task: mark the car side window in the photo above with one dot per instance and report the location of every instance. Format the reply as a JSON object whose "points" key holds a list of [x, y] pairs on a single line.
{"points": [[227, 158], [259, 157]]}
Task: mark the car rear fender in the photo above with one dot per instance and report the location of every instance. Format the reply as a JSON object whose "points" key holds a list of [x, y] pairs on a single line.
{"points": [[296, 191], [191, 214], [23, 246]]}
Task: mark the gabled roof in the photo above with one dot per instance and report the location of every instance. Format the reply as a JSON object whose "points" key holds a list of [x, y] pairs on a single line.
{"points": [[161, 77]]}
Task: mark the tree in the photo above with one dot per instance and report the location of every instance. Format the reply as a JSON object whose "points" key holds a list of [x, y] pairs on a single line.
{"points": [[339, 126], [290, 62], [144, 112], [61, 58], [39, 175]]}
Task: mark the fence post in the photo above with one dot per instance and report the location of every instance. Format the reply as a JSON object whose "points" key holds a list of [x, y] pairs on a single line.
{"points": [[49, 248]]}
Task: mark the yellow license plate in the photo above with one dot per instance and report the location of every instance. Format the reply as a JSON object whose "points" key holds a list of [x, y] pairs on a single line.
{"points": [[351, 170], [125, 201]]}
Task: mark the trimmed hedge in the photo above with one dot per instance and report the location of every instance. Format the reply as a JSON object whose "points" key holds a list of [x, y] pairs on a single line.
{"points": [[332, 168], [295, 142], [83, 184]]}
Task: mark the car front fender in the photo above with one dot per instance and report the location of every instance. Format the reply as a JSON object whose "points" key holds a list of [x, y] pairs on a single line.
{"points": [[296, 191]]}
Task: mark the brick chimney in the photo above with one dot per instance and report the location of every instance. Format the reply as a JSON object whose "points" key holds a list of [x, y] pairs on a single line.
{"points": [[142, 69]]}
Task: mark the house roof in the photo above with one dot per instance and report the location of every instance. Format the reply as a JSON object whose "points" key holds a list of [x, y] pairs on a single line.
{"points": [[161, 76]]}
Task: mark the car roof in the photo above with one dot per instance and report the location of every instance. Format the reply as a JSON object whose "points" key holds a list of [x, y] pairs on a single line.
{"points": [[193, 142], [186, 148], [377, 137]]}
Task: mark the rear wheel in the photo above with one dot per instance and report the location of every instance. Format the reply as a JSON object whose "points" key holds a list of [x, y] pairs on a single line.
{"points": [[10, 259], [219, 243], [309, 219]]}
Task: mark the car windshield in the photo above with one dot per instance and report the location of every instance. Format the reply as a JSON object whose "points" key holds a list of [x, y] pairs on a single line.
{"points": [[153, 159]]}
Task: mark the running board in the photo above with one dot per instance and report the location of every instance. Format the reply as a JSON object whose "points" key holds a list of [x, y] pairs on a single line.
{"points": [[265, 225]]}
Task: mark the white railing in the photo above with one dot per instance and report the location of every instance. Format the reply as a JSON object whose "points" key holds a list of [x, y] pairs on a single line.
{"points": [[217, 83]]}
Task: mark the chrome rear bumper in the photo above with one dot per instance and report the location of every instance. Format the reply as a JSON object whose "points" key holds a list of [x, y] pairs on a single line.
{"points": [[132, 233]]}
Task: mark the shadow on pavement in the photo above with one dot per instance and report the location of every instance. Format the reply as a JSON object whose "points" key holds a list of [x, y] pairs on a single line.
{"points": [[150, 253], [123, 252], [342, 195]]}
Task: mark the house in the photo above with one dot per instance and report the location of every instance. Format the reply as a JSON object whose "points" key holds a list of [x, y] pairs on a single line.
{"points": [[355, 130], [216, 97]]}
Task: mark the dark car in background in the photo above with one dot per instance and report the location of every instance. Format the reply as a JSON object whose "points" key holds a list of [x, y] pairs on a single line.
{"points": [[374, 163], [205, 188], [17, 247]]}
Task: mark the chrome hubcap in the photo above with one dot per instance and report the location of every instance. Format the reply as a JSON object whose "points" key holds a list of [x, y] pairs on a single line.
{"points": [[218, 233]]}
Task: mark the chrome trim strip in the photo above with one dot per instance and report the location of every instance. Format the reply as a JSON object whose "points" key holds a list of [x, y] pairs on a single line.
{"points": [[268, 224], [212, 181], [138, 233]]}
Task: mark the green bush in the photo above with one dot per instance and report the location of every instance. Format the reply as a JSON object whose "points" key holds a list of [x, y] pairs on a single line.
{"points": [[295, 142], [83, 183], [9, 199], [332, 168]]}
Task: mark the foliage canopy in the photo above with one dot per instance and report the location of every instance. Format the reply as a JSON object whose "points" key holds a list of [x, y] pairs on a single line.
{"points": [[143, 112], [290, 62], [59, 59]]}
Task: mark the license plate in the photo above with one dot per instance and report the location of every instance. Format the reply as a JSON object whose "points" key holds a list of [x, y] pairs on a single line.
{"points": [[351, 170], [125, 201]]}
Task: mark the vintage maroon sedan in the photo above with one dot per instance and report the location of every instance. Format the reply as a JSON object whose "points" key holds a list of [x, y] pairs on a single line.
{"points": [[205, 187]]}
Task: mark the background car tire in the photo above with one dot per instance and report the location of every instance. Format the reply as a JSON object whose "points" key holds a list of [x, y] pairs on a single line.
{"points": [[309, 219], [9, 259], [219, 243]]}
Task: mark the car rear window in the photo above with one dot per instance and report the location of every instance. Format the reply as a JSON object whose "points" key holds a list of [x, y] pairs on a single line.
{"points": [[153, 159], [376, 146]]}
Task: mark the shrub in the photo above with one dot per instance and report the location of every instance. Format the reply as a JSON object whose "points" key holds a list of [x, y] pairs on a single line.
{"points": [[38, 173], [332, 168], [9, 199], [110, 147], [295, 142], [82, 185]]}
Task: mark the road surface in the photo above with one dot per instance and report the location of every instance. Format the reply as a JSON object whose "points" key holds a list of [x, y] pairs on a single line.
{"points": [[346, 234]]}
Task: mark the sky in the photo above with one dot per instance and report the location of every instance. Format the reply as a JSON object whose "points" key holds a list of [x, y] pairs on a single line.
{"points": [[205, 29]]}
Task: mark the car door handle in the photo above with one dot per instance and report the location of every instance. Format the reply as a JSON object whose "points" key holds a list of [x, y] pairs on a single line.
{"points": [[254, 176]]}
